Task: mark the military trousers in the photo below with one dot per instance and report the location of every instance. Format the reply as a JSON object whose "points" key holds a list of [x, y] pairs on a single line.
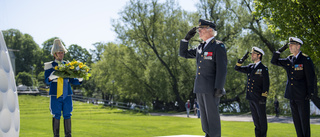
{"points": [[300, 110], [259, 116], [210, 117]]}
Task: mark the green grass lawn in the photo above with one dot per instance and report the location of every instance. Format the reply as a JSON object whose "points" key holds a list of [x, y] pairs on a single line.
{"points": [[90, 120]]}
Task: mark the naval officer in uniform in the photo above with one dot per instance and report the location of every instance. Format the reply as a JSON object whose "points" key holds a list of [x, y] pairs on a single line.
{"points": [[211, 74], [300, 83], [60, 100], [257, 89]]}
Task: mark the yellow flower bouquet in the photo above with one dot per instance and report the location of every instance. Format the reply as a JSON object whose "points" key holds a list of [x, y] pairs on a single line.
{"points": [[74, 69]]}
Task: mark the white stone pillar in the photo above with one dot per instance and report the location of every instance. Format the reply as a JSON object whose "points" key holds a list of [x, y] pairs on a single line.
{"points": [[9, 105]]}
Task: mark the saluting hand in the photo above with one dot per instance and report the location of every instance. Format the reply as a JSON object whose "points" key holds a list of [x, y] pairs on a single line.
{"points": [[283, 48], [191, 33], [240, 61]]}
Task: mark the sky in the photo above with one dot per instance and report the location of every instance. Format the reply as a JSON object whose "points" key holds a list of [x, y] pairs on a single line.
{"points": [[81, 22]]}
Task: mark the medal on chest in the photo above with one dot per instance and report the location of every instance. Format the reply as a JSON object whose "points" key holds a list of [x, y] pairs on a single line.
{"points": [[298, 67], [258, 72], [208, 55]]}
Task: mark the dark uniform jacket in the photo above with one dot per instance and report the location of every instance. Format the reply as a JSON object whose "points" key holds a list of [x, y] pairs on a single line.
{"points": [[300, 75], [258, 81], [49, 68], [211, 65]]}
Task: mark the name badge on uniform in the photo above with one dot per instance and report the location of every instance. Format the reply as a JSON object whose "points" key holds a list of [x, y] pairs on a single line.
{"points": [[208, 55], [258, 72], [298, 67]]}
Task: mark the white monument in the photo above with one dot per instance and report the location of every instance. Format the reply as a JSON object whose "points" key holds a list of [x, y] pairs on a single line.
{"points": [[9, 105]]}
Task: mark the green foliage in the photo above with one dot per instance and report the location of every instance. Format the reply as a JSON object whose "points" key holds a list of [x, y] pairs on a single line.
{"points": [[40, 78], [290, 18], [24, 78], [27, 51], [151, 32], [98, 51], [76, 52]]}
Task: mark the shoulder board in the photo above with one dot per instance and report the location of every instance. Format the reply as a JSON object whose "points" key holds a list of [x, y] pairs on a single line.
{"points": [[265, 66], [48, 65], [218, 42], [290, 55], [305, 55]]}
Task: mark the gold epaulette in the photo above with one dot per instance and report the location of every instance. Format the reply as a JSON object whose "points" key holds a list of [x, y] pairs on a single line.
{"points": [[305, 55], [290, 55]]}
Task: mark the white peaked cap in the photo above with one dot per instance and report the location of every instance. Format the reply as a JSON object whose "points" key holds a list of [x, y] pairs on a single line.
{"points": [[294, 39], [57, 47], [258, 50]]}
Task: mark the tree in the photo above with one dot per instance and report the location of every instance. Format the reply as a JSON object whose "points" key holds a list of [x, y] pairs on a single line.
{"points": [[24, 78], [299, 18], [76, 52], [97, 53], [102, 74], [28, 49], [153, 31]]}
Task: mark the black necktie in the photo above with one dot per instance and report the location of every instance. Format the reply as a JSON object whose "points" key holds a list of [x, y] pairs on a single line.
{"points": [[293, 59], [202, 46]]}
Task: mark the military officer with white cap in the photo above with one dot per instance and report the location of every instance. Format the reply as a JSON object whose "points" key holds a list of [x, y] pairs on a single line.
{"points": [[63, 100], [257, 89], [300, 83], [211, 74]]}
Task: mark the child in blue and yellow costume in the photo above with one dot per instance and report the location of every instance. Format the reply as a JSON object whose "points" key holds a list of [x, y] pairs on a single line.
{"points": [[60, 90]]}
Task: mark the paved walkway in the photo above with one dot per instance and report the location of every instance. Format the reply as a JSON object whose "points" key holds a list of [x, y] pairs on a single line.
{"points": [[243, 117]]}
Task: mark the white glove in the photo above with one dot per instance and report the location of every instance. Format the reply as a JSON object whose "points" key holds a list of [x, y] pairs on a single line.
{"points": [[52, 77], [80, 79]]}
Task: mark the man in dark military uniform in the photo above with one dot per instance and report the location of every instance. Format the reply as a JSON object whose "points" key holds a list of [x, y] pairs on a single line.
{"points": [[257, 89], [300, 84], [211, 74]]}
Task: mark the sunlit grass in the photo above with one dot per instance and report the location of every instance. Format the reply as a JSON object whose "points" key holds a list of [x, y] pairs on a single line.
{"points": [[90, 120]]}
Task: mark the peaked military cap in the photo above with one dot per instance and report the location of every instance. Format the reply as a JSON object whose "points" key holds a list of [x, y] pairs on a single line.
{"points": [[206, 23], [58, 47], [256, 49], [294, 39]]}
